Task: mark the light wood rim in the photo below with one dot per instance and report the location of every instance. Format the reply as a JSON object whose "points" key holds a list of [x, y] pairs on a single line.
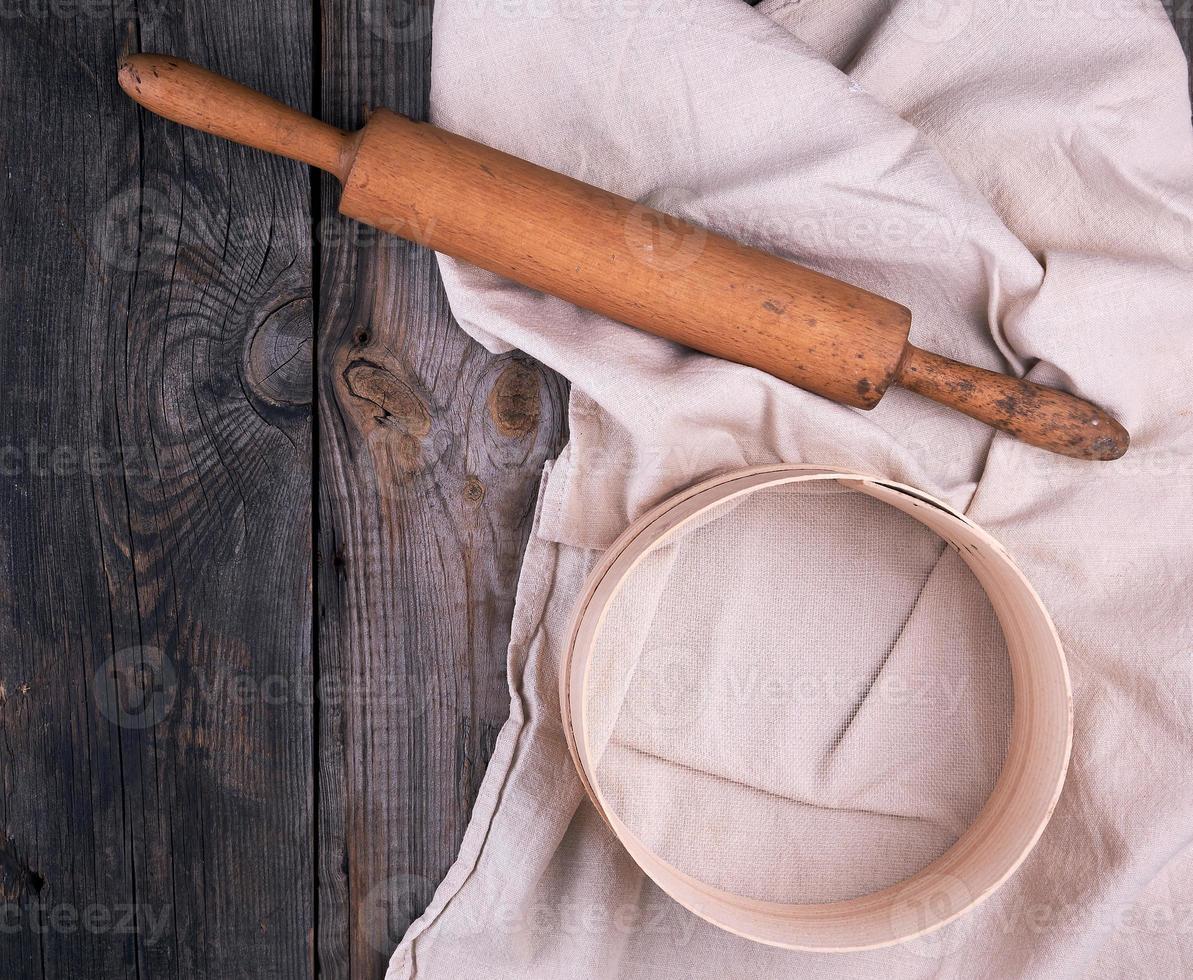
{"points": [[988, 851]]}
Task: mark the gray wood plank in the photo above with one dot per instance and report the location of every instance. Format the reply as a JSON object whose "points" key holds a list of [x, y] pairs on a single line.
{"points": [[155, 806], [427, 488], [1180, 12]]}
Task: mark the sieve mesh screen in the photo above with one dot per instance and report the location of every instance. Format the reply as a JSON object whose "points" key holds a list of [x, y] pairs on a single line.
{"points": [[824, 727]]}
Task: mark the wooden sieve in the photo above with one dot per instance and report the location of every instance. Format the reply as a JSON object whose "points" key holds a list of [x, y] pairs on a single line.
{"points": [[986, 853]]}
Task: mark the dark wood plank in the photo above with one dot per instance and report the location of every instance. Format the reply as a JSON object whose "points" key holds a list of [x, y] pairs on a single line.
{"points": [[1180, 12], [155, 806], [430, 455]]}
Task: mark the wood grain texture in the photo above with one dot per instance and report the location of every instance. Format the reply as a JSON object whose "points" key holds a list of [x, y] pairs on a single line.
{"points": [[173, 802], [430, 455], [154, 510]]}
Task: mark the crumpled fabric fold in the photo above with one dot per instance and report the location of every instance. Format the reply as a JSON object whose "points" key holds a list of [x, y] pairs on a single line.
{"points": [[1019, 174]]}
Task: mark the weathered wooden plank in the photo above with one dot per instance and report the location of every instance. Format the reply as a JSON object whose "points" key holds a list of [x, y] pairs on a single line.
{"points": [[1180, 12], [155, 805], [430, 455]]}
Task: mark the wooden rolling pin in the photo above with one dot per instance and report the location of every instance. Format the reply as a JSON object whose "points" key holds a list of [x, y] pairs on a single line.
{"points": [[618, 258]]}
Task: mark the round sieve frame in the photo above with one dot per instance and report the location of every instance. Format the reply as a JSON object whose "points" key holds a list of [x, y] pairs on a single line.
{"points": [[1013, 816]]}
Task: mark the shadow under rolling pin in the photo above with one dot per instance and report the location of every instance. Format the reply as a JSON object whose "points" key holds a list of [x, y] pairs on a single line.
{"points": [[599, 251]]}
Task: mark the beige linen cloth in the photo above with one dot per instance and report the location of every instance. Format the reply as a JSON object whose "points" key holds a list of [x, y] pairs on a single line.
{"points": [[1020, 174]]}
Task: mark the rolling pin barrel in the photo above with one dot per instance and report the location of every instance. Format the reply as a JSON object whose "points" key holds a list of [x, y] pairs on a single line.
{"points": [[628, 262], [621, 259]]}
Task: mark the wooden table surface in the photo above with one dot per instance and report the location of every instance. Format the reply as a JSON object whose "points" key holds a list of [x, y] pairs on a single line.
{"points": [[247, 458], [262, 507]]}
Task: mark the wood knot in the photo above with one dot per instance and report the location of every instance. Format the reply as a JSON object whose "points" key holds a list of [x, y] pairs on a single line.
{"points": [[397, 401], [18, 881], [474, 490], [398, 426], [278, 360], [515, 403]]}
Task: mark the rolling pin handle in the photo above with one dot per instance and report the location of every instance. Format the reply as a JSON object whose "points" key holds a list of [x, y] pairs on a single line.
{"points": [[193, 96], [1040, 416]]}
